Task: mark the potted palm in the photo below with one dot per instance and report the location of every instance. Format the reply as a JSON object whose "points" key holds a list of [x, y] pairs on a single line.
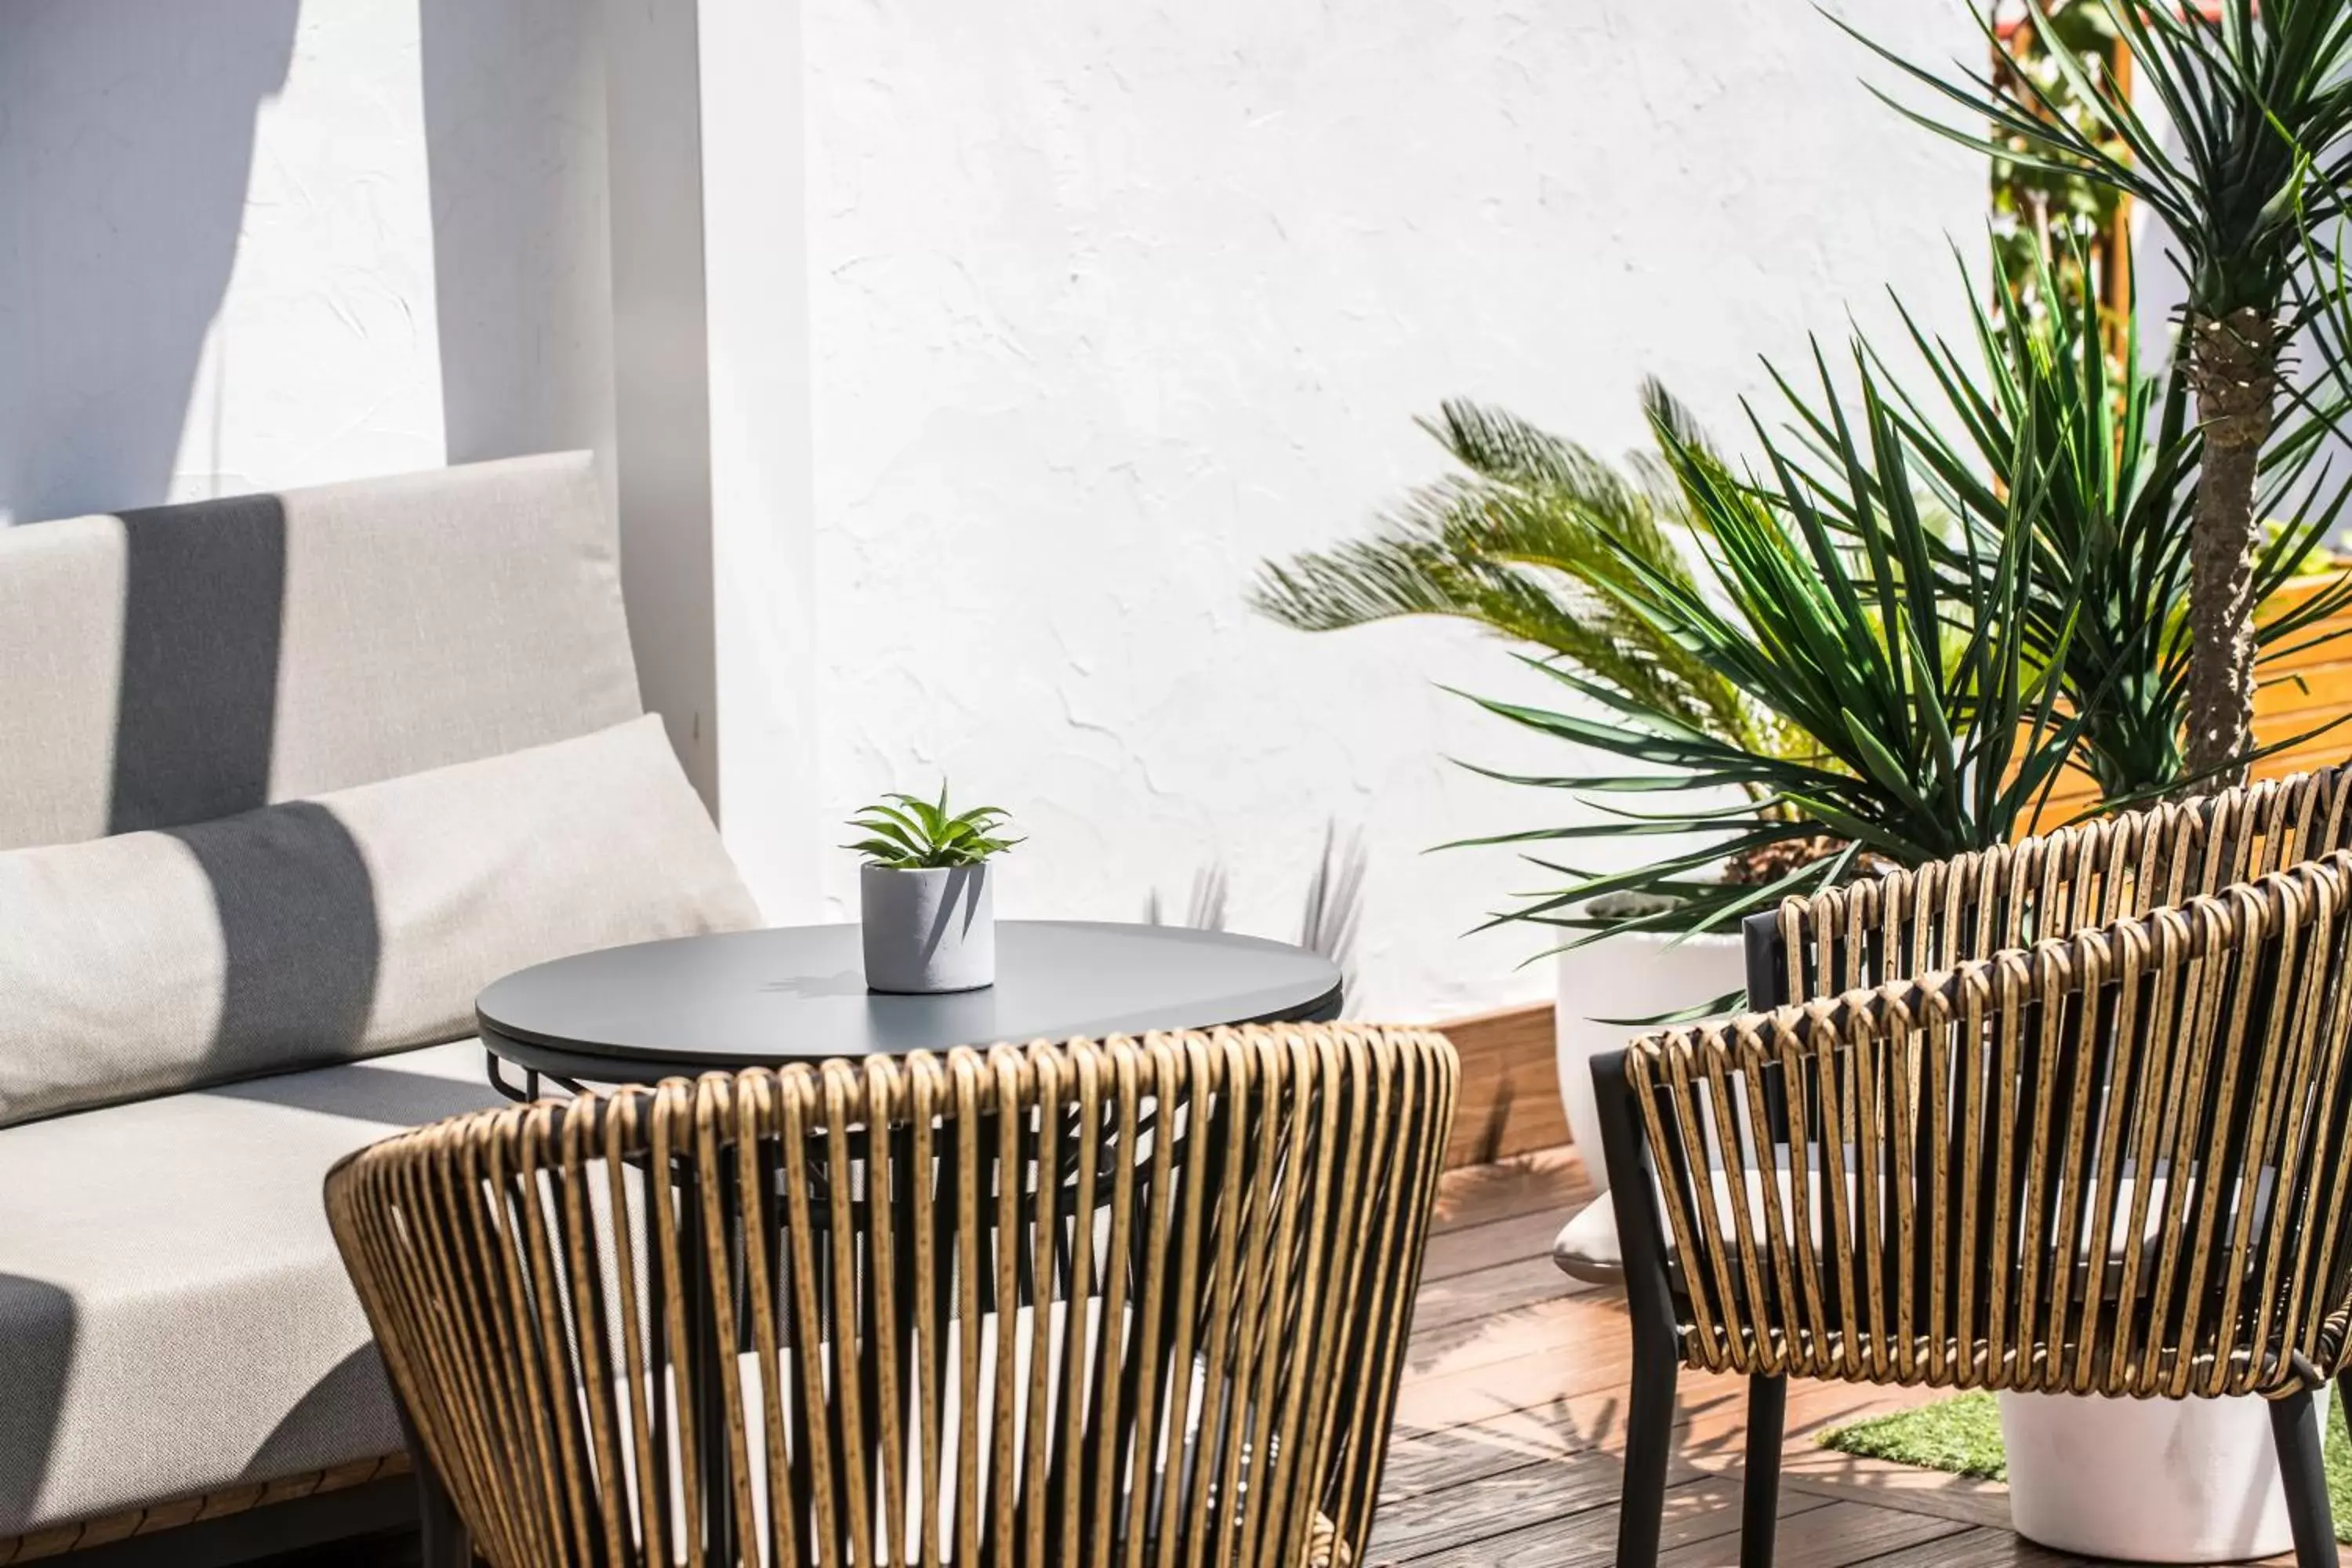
{"points": [[927, 900], [1812, 703]]}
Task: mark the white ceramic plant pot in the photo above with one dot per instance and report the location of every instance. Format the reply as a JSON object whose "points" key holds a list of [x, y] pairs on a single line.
{"points": [[1635, 975], [2147, 1481], [928, 931]]}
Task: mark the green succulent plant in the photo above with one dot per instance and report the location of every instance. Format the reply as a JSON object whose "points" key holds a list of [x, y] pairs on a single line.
{"points": [[906, 833]]}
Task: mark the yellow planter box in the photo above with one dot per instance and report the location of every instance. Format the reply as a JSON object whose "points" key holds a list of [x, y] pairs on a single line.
{"points": [[2297, 693]]}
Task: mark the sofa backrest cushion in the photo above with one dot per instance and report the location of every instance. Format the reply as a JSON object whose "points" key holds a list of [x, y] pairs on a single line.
{"points": [[183, 663], [349, 925]]}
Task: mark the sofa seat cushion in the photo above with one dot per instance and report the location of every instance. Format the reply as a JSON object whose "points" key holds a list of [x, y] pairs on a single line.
{"points": [[175, 1317]]}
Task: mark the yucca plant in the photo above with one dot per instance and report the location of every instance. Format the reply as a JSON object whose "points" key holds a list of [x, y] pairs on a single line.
{"points": [[2116, 460], [2253, 169], [1929, 729], [1530, 540]]}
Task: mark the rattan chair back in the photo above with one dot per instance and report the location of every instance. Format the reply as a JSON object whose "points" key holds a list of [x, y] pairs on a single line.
{"points": [[2111, 1163], [1919, 919], [1139, 1301]]}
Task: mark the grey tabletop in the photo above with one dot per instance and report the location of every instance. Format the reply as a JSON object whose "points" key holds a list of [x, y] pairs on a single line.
{"points": [[798, 992]]}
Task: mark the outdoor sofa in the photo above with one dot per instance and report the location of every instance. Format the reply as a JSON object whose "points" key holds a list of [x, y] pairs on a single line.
{"points": [[284, 781]]}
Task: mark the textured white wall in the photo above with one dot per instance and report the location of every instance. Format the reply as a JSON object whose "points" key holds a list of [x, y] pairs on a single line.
{"points": [[215, 250], [1101, 305], [1108, 302], [256, 243]]}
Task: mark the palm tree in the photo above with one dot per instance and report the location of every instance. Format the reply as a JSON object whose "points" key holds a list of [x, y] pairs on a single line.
{"points": [[2258, 94]]}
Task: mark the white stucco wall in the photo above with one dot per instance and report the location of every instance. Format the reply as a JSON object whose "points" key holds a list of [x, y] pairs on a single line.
{"points": [[215, 250], [227, 262], [1107, 303], [1030, 329]]}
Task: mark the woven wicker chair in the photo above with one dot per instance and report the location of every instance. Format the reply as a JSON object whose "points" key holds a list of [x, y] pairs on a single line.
{"points": [[847, 1329], [1919, 919], [2116, 1163]]}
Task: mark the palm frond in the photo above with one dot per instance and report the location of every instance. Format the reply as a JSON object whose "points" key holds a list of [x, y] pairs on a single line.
{"points": [[1524, 543]]}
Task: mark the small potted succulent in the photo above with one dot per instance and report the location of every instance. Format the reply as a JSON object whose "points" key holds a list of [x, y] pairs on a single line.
{"points": [[927, 900]]}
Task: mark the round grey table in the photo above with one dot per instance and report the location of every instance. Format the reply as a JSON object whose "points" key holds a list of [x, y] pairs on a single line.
{"points": [[762, 998]]}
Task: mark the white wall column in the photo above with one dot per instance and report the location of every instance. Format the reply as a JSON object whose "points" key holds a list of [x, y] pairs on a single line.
{"points": [[711, 348], [661, 370], [756, 241]]}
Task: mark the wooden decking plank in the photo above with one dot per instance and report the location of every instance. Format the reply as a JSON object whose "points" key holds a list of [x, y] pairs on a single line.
{"points": [[1544, 1181], [1830, 1536], [1698, 1515], [1490, 1291], [1490, 1505], [1468, 1248], [1422, 1462], [1981, 1547]]}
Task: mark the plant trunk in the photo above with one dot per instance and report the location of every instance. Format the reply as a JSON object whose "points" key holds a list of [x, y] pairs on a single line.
{"points": [[2234, 370]]}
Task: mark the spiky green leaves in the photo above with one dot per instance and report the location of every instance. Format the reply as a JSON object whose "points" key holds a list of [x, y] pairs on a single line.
{"points": [[910, 833], [2242, 153], [2116, 461], [1526, 542], [1931, 731]]}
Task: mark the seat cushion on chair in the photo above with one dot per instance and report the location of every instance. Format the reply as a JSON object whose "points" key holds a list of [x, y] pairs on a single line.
{"points": [[341, 927], [175, 1317], [1587, 1246]]}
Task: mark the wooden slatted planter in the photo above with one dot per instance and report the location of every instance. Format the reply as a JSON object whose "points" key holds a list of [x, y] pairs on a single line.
{"points": [[2299, 693]]}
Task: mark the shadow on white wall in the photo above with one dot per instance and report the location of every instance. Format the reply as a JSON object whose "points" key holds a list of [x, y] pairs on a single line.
{"points": [[514, 94], [247, 243], [126, 143]]}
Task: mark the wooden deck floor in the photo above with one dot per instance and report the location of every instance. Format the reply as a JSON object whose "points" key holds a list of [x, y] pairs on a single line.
{"points": [[1508, 1431]]}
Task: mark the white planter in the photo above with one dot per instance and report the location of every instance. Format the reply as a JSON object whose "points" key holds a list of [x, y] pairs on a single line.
{"points": [[928, 931], [1635, 974], [2147, 1481]]}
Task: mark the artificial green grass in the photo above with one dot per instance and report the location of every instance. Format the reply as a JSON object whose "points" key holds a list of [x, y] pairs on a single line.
{"points": [[1962, 1437]]}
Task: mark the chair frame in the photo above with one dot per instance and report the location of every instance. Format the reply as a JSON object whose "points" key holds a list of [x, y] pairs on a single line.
{"points": [[1284, 1220], [1867, 940]]}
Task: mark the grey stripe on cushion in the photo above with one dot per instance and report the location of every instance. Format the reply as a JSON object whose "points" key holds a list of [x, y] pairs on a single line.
{"points": [[182, 663], [362, 922]]}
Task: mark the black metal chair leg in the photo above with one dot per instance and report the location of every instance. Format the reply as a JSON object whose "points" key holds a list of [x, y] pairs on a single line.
{"points": [[444, 1542], [2294, 1430], [1759, 1493], [1649, 1436]]}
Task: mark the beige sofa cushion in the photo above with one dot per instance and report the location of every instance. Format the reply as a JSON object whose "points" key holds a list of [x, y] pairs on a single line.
{"points": [[340, 926], [182, 663], [175, 1317]]}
